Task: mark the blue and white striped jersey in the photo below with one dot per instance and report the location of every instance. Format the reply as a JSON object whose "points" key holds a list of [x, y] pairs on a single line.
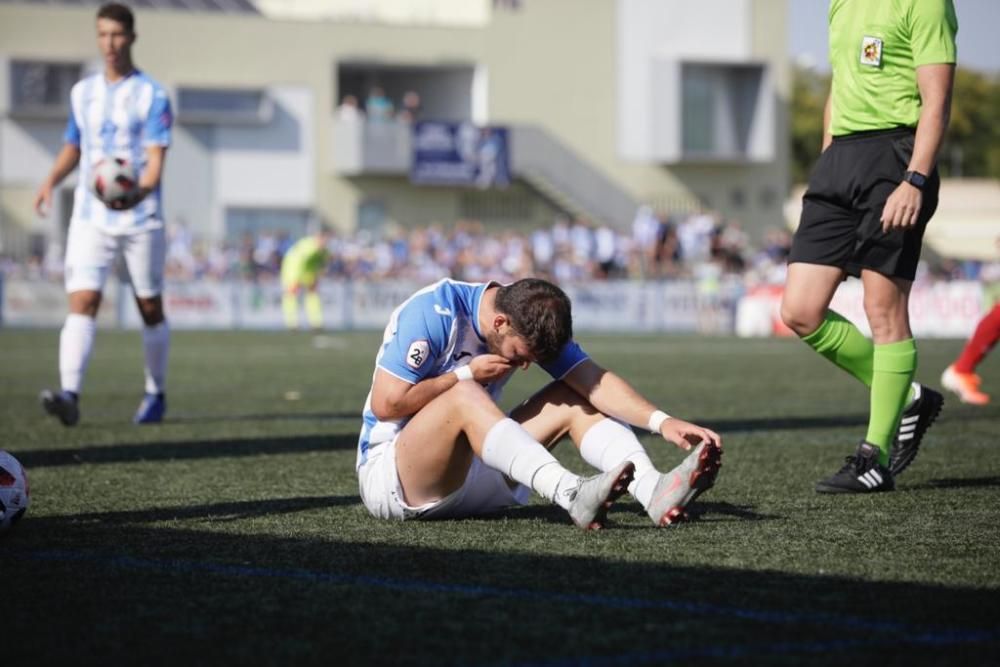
{"points": [[120, 120], [432, 333]]}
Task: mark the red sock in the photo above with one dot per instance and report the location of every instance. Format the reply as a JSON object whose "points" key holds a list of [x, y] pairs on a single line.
{"points": [[982, 341]]}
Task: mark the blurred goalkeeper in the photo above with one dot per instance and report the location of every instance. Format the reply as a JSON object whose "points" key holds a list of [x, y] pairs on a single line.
{"points": [[301, 268]]}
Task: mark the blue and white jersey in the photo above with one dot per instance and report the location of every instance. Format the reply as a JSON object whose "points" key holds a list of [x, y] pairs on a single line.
{"points": [[117, 120], [432, 333]]}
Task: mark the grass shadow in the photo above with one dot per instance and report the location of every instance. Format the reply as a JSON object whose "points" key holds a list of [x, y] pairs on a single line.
{"points": [[354, 416], [165, 595], [226, 511], [187, 449]]}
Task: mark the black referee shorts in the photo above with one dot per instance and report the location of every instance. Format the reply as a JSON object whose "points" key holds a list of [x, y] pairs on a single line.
{"points": [[842, 207]]}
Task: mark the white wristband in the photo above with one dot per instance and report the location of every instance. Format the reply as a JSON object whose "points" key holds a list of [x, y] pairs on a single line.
{"points": [[656, 420], [463, 373]]}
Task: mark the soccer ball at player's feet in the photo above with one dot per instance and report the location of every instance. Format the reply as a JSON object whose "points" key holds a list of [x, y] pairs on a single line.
{"points": [[15, 495], [151, 410]]}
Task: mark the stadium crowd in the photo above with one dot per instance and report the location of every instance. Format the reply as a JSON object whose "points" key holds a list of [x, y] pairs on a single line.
{"points": [[697, 245], [658, 247]]}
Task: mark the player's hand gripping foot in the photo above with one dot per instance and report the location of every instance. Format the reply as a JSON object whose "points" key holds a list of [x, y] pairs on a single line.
{"points": [[917, 418], [151, 410], [679, 487], [862, 473], [594, 495], [62, 405]]}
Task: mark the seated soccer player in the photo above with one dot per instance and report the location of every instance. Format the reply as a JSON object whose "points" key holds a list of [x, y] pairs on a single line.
{"points": [[435, 445]]}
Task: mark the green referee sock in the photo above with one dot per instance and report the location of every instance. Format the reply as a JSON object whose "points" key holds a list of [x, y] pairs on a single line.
{"points": [[841, 342], [892, 373]]}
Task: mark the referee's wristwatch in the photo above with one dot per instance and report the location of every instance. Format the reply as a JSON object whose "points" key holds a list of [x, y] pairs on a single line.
{"points": [[916, 179]]}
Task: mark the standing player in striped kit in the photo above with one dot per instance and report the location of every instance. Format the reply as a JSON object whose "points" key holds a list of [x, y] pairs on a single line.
{"points": [[120, 113]]}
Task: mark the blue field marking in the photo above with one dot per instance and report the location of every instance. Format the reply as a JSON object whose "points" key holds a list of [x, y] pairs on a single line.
{"points": [[903, 633], [946, 638]]}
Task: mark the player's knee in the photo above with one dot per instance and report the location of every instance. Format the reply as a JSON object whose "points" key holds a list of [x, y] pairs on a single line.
{"points": [[803, 321], [85, 302], [468, 394], [151, 311]]}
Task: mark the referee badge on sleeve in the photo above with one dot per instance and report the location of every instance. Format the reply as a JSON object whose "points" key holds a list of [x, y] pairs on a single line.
{"points": [[871, 51]]}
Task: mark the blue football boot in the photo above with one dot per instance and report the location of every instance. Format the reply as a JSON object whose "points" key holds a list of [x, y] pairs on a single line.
{"points": [[151, 410]]}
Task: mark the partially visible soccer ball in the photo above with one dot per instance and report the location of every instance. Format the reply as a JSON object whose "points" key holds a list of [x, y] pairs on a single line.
{"points": [[113, 179], [15, 495]]}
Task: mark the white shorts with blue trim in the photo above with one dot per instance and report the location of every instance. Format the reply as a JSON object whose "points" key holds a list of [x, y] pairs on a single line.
{"points": [[91, 252], [485, 490]]}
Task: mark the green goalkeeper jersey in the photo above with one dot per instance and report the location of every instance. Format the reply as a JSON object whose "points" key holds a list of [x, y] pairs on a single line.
{"points": [[305, 257]]}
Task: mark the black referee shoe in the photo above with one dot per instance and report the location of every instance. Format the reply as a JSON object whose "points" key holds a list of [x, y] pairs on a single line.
{"points": [[862, 473], [916, 419]]}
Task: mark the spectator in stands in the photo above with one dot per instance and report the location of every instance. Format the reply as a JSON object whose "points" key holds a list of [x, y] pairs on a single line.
{"points": [[349, 110], [409, 111], [378, 106]]}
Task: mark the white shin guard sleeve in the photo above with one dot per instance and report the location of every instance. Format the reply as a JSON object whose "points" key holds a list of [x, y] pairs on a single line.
{"points": [[609, 442], [156, 346], [511, 450], [76, 341]]}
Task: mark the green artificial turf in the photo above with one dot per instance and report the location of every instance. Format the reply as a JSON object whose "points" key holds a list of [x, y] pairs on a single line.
{"points": [[232, 534]]}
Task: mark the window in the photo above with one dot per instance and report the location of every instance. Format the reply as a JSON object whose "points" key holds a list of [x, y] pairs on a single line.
{"points": [[41, 89], [698, 109], [720, 105], [224, 106]]}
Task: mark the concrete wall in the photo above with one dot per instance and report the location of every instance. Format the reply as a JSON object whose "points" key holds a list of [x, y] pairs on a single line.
{"points": [[555, 64]]}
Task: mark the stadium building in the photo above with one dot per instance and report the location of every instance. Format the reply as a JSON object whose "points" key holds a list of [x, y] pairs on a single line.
{"points": [[598, 106]]}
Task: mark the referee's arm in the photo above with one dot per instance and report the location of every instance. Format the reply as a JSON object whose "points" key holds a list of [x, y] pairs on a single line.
{"points": [[827, 113], [935, 82]]}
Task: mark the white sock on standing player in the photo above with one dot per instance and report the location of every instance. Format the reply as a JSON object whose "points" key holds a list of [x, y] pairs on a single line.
{"points": [[76, 340], [511, 450], [609, 442], [156, 345]]}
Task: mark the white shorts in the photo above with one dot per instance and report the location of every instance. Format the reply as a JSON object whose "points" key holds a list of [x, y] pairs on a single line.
{"points": [[90, 256], [485, 490]]}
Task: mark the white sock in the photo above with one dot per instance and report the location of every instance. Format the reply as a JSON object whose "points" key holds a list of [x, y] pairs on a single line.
{"points": [[511, 450], [156, 345], [609, 442], [76, 340]]}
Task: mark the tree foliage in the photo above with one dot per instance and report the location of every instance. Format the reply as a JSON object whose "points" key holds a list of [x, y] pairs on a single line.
{"points": [[971, 147]]}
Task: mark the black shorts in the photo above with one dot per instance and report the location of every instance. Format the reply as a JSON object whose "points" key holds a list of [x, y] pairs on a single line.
{"points": [[842, 207]]}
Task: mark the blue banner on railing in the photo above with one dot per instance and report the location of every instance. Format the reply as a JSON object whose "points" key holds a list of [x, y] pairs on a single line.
{"points": [[460, 154]]}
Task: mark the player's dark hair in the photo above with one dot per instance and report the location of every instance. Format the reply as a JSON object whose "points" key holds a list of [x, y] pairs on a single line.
{"points": [[118, 12], [539, 312]]}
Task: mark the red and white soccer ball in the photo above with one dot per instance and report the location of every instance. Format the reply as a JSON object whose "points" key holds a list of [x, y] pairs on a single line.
{"points": [[15, 495], [113, 179]]}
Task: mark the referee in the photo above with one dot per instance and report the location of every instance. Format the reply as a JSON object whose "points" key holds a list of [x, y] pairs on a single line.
{"points": [[870, 196]]}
